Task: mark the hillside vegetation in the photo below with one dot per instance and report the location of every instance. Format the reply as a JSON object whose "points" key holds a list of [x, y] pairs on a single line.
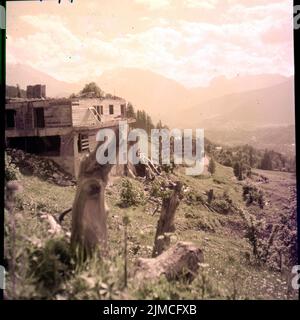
{"points": [[217, 213]]}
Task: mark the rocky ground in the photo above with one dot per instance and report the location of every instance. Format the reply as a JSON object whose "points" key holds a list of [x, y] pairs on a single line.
{"points": [[46, 169]]}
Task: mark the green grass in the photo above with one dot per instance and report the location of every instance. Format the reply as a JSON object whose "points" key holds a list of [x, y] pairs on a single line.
{"points": [[227, 274]]}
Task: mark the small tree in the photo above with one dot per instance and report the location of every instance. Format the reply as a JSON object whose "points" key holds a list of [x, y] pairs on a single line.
{"points": [[238, 170], [255, 234], [210, 196], [130, 111], [266, 162], [93, 88], [130, 195], [212, 166], [18, 91], [159, 125]]}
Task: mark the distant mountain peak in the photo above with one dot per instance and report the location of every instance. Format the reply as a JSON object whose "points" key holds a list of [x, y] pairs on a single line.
{"points": [[163, 98]]}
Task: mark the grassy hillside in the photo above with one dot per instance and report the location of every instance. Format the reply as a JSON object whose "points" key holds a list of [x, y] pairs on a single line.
{"points": [[45, 269]]}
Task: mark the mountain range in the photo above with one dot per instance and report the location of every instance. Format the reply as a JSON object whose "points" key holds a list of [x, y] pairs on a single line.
{"points": [[245, 102]]}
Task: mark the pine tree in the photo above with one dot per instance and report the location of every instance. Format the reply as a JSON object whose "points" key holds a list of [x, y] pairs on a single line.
{"points": [[18, 91], [266, 162], [159, 125], [143, 120], [149, 124], [238, 170], [130, 111], [251, 157]]}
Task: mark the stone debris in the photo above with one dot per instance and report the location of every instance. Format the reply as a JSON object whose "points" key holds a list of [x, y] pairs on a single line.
{"points": [[46, 169], [55, 228]]}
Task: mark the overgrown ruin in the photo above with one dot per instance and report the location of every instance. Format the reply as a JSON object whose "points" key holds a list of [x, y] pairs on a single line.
{"points": [[61, 129]]}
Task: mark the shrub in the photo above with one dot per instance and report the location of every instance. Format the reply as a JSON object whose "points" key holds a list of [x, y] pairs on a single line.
{"points": [[97, 279], [252, 195], [130, 195], [212, 166], [221, 206], [255, 231], [51, 265], [193, 198], [11, 170], [158, 190], [202, 220], [208, 223]]}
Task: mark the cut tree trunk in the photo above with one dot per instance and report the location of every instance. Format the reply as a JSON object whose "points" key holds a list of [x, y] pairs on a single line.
{"points": [[180, 261], [89, 217], [166, 221]]}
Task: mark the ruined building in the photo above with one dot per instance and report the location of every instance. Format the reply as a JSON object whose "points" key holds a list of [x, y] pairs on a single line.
{"points": [[61, 129], [36, 91]]}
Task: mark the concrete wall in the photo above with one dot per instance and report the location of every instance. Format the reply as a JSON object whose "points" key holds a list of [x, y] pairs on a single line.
{"points": [[57, 113], [117, 170], [82, 116], [66, 154], [78, 156], [62, 116], [116, 103]]}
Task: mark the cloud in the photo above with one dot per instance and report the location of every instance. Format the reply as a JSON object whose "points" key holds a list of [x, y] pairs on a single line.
{"points": [[154, 4], [192, 52], [201, 4]]}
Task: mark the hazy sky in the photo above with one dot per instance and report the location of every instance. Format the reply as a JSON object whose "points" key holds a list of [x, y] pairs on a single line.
{"points": [[190, 41]]}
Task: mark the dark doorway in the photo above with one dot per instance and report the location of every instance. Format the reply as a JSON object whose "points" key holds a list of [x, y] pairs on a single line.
{"points": [[39, 118], [10, 119], [46, 146]]}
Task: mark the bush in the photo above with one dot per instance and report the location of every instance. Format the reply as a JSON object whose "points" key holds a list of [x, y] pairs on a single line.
{"points": [[212, 166], [255, 234], [253, 196], [97, 279], [158, 190], [11, 170], [221, 206], [130, 195], [51, 265], [194, 198]]}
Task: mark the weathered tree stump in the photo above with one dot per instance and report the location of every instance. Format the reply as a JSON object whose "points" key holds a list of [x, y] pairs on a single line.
{"points": [[180, 261], [166, 221], [89, 215]]}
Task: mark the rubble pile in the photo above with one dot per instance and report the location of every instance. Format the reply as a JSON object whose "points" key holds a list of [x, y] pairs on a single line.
{"points": [[43, 168]]}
